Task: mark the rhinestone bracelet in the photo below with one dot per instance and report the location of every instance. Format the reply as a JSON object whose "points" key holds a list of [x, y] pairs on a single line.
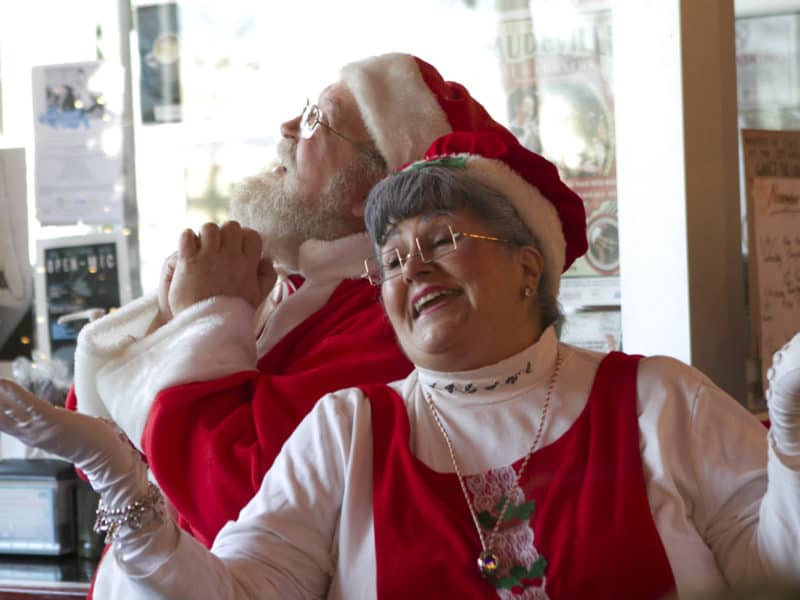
{"points": [[144, 511]]}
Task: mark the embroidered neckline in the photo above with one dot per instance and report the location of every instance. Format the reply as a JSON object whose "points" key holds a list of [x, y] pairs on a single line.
{"points": [[471, 388]]}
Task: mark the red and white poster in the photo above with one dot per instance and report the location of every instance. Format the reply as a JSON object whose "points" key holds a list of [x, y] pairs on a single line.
{"points": [[555, 61]]}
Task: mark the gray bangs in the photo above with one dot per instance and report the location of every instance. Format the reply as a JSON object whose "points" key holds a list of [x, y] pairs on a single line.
{"points": [[431, 190]]}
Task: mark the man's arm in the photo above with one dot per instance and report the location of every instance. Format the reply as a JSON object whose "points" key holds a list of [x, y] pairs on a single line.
{"points": [[210, 442], [221, 261], [191, 394]]}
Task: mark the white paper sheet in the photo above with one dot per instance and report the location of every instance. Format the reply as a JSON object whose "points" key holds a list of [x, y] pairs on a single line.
{"points": [[78, 141]]}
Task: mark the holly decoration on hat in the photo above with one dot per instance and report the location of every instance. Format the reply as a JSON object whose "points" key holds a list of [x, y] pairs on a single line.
{"points": [[451, 162]]}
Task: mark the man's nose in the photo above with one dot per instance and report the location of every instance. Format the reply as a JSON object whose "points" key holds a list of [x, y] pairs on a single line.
{"points": [[291, 128]]}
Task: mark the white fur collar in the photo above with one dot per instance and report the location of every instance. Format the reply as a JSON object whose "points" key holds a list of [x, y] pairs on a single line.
{"points": [[324, 265]]}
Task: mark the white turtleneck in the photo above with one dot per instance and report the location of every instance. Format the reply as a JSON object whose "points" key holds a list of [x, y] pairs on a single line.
{"points": [[723, 501]]}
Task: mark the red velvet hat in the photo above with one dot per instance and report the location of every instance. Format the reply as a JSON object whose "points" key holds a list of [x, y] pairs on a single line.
{"points": [[406, 104], [551, 210]]}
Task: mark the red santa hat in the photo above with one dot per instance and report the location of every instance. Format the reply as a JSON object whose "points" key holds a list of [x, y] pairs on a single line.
{"points": [[406, 104], [551, 210]]}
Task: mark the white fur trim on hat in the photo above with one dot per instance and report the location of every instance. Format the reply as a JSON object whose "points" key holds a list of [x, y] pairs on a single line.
{"points": [[401, 113], [536, 211]]}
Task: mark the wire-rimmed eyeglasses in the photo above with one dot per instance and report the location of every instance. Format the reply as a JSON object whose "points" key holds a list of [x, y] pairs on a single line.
{"points": [[310, 120], [390, 264]]}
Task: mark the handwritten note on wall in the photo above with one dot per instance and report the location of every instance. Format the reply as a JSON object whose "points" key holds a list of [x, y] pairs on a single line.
{"points": [[776, 244]]}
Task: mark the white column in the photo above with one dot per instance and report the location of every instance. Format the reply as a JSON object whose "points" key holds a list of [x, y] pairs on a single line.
{"points": [[681, 265]]}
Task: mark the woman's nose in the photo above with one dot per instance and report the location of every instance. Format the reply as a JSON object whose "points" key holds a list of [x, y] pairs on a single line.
{"points": [[414, 266], [291, 128]]}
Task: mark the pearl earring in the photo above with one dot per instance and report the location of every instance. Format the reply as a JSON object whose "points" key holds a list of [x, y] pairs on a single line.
{"points": [[527, 292]]}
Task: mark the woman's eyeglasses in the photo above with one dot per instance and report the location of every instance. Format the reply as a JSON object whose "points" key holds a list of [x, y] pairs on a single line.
{"points": [[390, 264]]}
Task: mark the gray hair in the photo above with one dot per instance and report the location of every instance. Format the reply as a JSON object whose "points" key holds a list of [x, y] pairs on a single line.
{"points": [[435, 189]]}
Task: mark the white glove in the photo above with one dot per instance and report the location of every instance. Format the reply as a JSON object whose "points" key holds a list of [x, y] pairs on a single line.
{"points": [[110, 463], [131, 510], [783, 397]]}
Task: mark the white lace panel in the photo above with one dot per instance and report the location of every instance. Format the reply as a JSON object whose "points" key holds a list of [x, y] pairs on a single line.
{"points": [[513, 545]]}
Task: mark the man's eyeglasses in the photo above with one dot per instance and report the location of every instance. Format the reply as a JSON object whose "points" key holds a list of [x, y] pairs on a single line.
{"points": [[390, 264], [312, 117]]}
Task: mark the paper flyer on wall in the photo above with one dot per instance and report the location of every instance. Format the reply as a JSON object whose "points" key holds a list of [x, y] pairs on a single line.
{"points": [[78, 143], [776, 257], [556, 68], [75, 275], [765, 153]]}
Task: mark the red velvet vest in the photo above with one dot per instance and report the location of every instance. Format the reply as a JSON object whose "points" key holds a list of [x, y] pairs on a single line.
{"points": [[591, 524]]}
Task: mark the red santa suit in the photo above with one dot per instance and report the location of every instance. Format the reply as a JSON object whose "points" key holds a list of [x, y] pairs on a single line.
{"points": [[209, 404]]}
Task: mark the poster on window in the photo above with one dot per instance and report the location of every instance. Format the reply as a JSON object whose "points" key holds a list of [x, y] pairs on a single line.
{"points": [[16, 284], [556, 70], [78, 143], [158, 34], [1, 91], [77, 278], [599, 330], [768, 70]]}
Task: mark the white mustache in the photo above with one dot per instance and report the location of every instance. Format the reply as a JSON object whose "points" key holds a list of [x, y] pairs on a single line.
{"points": [[287, 153]]}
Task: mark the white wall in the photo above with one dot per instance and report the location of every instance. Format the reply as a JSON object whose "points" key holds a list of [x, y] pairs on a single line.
{"points": [[681, 271]]}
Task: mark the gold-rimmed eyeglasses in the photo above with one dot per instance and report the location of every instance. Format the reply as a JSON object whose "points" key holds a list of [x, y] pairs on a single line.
{"points": [[310, 120], [390, 264]]}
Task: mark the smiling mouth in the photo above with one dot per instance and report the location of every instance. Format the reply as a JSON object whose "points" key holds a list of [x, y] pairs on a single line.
{"points": [[432, 299]]}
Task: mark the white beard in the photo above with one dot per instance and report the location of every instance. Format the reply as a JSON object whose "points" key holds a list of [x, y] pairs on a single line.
{"points": [[286, 218]]}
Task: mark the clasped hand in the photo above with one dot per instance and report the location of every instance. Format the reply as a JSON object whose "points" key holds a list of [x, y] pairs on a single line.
{"points": [[219, 261]]}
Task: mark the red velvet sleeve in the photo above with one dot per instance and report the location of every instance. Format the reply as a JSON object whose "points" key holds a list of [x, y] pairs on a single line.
{"points": [[209, 444]]}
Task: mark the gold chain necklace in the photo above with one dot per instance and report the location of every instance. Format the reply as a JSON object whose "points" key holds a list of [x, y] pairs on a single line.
{"points": [[488, 563]]}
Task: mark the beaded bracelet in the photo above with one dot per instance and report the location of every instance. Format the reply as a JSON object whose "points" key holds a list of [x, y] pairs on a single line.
{"points": [[144, 511]]}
